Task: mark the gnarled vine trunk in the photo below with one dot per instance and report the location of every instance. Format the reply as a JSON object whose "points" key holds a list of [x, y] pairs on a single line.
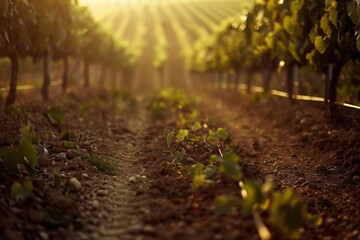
{"points": [[86, 75], [47, 75], [266, 75], [332, 78], [14, 59], [236, 79], [249, 79], [292, 75], [65, 77]]}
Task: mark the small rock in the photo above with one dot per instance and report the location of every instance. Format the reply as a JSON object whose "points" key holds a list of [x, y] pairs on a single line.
{"points": [[321, 168], [70, 155], [143, 177], [41, 150], [94, 204], [85, 175], [135, 228], [43, 235], [356, 178], [61, 156], [330, 220], [148, 230], [132, 179], [45, 173], [102, 192], [36, 216], [74, 185]]}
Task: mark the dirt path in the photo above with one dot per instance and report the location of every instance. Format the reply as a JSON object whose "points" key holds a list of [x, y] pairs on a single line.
{"points": [[120, 206]]}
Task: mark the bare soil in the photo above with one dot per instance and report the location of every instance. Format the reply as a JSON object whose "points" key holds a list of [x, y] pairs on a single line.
{"points": [[145, 199]]}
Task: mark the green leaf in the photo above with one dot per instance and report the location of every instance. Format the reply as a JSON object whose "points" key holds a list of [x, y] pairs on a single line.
{"points": [[220, 132], [28, 133], [333, 14], [296, 6], [289, 214], [178, 156], [22, 191], [293, 51], [169, 138], [320, 44], [198, 176], [15, 112], [228, 165], [325, 25], [254, 196], [53, 217], [196, 126], [57, 178], [353, 10], [29, 151], [56, 116], [182, 134], [212, 136], [210, 171], [289, 25], [11, 157], [225, 204]]}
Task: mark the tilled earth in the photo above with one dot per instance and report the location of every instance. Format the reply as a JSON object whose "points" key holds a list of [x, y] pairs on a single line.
{"points": [[142, 198]]}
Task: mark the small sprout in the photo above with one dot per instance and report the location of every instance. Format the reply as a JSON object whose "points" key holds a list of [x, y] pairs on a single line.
{"points": [[288, 213], [178, 155], [57, 178], [225, 204], [182, 134], [229, 166], [30, 134], [21, 192], [222, 133], [56, 116], [253, 197], [198, 176], [169, 138]]}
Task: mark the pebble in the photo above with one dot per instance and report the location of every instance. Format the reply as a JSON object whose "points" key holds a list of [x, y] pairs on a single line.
{"points": [[331, 220], [74, 185], [85, 175], [95, 204], [148, 230], [321, 168], [41, 150], [356, 178], [132, 179], [61, 156], [102, 192], [143, 177], [43, 235], [70, 155]]}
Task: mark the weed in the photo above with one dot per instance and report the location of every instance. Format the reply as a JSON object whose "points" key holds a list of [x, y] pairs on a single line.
{"points": [[104, 163]]}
